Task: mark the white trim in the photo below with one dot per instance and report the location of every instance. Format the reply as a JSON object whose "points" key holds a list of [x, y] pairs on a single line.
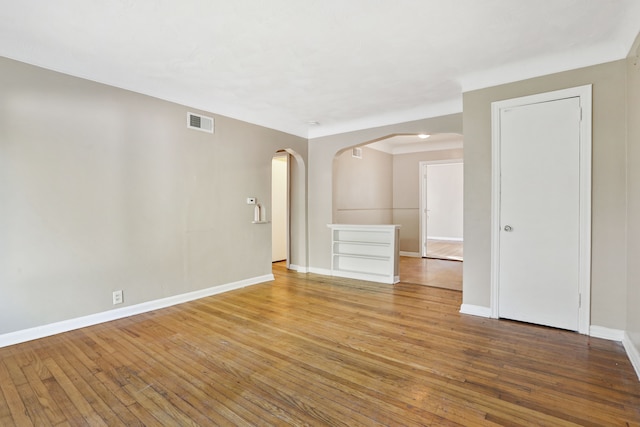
{"points": [[585, 95], [288, 212], [455, 161], [549, 64], [422, 199], [287, 159], [446, 239], [495, 208], [323, 271], [106, 316], [632, 353], [475, 310], [606, 333], [298, 268], [584, 313], [411, 254]]}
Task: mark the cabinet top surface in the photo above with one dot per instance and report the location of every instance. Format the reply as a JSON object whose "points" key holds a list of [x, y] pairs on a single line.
{"points": [[364, 226]]}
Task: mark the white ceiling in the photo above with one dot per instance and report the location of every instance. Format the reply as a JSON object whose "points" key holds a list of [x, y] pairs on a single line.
{"points": [[403, 144], [348, 64]]}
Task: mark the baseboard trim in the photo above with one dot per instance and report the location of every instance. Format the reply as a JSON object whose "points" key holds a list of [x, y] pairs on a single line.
{"points": [[323, 271], [37, 332], [475, 310], [298, 268], [632, 353], [411, 254], [606, 333], [448, 239]]}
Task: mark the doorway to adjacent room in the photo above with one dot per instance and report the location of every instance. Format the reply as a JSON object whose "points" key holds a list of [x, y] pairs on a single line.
{"points": [[441, 213], [280, 208]]}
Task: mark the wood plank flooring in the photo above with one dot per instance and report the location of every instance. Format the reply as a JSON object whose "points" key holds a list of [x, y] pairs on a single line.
{"points": [[314, 350], [444, 249], [431, 272]]}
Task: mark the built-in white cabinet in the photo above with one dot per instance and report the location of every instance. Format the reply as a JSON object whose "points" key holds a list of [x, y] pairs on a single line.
{"points": [[366, 252]]}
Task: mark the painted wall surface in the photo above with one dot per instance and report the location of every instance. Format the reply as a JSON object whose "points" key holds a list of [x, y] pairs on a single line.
{"points": [[104, 189], [406, 193], [608, 192], [298, 207], [362, 188], [444, 201], [279, 177], [633, 200], [321, 154], [382, 188]]}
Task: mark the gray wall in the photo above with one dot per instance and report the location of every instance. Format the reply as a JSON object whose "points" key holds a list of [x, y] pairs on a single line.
{"points": [[362, 188], [321, 154], [406, 193], [104, 189], [633, 200], [609, 279]]}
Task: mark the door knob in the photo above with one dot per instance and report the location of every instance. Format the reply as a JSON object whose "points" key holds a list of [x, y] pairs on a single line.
{"points": [[508, 228]]}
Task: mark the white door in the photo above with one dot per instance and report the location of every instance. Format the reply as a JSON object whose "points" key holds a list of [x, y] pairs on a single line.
{"points": [[441, 201], [539, 252]]}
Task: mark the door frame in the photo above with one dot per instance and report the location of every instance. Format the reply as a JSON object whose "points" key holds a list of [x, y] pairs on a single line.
{"points": [[287, 156], [422, 176], [584, 93]]}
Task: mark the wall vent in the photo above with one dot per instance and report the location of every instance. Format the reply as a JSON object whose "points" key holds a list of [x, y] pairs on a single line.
{"points": [[356, 152], [198, 122]]}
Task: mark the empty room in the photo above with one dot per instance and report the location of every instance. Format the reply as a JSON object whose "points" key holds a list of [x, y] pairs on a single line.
{"points": [[208, 211]]}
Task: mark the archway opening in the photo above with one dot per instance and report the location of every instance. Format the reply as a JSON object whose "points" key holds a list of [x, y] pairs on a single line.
{"points": [[379, 182], [289, 210]]}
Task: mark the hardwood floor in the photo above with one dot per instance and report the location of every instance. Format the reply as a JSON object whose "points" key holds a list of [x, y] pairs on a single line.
{"points": [[431, 272], [444, 249], [315, 350]]}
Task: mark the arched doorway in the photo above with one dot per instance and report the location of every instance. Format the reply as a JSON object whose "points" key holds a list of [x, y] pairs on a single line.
{"points": [[378, 182], [280, 210], [289, 210]]}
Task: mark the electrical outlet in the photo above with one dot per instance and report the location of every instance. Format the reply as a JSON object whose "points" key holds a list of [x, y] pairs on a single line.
{"points": [[251, 200], [117, 297]]}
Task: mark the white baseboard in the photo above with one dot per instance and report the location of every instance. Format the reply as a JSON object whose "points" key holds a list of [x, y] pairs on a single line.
{"points": [[450, 239], [411, 254], [24, 335], [298, 268], [323, 271], [606, 333], [475, 310], [632, 353]]}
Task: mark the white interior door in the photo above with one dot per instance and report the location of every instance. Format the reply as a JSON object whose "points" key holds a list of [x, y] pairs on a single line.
{"points": [[539, 255], [440, 201]]}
